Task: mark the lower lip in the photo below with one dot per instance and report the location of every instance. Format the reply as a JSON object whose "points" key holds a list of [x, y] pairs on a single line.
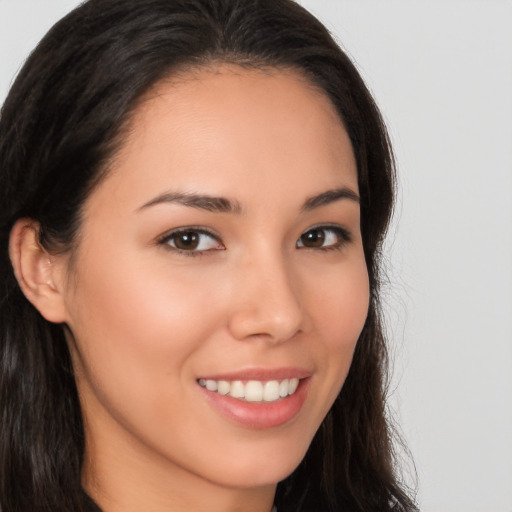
{"points": [[259, 415]]}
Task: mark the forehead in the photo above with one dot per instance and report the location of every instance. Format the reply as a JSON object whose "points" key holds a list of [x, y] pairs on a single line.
{"points": [[232, 128]]}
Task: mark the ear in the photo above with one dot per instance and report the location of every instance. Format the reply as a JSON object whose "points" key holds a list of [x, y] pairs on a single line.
{"points": [[39, 273]]}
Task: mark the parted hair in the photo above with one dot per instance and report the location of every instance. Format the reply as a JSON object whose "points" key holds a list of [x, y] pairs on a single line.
{"points": [[60, 126]]}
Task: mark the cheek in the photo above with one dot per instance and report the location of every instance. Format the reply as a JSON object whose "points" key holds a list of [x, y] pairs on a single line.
{"points": [[340, 302], [138, 336], [340, 309], [131, 326]]}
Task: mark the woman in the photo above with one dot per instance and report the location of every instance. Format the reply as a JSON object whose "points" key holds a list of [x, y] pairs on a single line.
{"points": [[194, 196]]}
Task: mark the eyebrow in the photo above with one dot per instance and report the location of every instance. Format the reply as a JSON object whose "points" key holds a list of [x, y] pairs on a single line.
{"points": [[328, 197], [224, 205], [199, 201]]}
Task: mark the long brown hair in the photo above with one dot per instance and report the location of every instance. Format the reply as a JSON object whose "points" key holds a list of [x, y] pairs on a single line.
{"points": [[61, 124]]}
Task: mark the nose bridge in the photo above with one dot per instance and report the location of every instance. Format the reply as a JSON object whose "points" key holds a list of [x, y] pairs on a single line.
{"points": [[266, 301]]}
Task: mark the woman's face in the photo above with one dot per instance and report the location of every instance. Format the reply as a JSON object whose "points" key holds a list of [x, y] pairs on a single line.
{"points": [[220, 263]]}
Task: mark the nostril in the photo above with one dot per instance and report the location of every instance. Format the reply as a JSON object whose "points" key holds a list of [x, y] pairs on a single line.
{"points": [[271, 326]]}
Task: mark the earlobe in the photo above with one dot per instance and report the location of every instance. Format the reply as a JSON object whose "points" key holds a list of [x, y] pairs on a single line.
{"points": [[38, 273]]}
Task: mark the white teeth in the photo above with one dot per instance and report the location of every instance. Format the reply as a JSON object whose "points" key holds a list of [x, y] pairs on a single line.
{"points": [[237, 389], [211, 385], [253, 390], [271, 391], [223, 387], [292, 386], [283, 388]]}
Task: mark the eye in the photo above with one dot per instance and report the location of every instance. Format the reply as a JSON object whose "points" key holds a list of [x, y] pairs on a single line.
{"points": [[192, 240], [324, 237]]}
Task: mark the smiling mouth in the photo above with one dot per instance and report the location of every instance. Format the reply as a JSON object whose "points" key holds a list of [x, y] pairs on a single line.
{"points": [[252, 390]]}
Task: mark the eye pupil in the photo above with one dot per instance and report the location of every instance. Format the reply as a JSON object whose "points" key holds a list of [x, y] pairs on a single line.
{"points": [[187, 240], [313, 238]]}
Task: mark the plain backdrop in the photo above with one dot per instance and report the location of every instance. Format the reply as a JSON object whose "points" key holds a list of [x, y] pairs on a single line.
{"points": [[441, 72]]}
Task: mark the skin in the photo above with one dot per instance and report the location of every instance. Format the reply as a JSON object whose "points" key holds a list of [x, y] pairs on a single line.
{"points": [[146, 321]]}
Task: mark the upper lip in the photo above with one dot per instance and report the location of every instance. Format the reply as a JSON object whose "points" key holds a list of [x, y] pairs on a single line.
{"points": [[261, 374]]}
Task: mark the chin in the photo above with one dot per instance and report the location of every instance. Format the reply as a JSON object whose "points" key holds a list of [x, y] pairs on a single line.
{"points": [[262, 469]]}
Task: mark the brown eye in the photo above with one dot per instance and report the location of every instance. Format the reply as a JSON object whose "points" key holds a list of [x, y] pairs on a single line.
{"points": [[186, 241], [313, 238], [192, 241], [324, 237]]}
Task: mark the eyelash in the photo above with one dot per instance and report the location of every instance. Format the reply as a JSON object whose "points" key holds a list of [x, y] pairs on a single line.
{"points": [[343, 238]]}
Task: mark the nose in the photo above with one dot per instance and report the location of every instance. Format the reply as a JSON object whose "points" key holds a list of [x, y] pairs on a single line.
{"points": [[265, 301]]}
